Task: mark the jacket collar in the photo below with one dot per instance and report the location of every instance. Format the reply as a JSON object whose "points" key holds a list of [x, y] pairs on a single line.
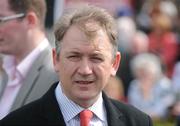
{"points": [[31, 79], [52, 113], [114, 116]]}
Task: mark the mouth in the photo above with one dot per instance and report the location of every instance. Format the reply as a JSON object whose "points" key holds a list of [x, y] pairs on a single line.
{"points": [[84, 82]]}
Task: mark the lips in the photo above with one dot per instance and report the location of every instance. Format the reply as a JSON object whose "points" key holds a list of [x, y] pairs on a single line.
{"points": [[84, 82]]}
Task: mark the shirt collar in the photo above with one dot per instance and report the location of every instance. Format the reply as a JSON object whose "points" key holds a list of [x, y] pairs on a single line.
{"points": [[26, 63], [70, 109], [8, 64]]}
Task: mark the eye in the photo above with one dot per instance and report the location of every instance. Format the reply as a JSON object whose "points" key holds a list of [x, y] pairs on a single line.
{"points": [[97, 59], [74, 57]]}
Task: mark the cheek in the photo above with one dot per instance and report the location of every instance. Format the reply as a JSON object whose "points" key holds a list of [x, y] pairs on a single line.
{"points": [[11, 27], [67, 68], [105, 68], [103, 71], [13, 33]]}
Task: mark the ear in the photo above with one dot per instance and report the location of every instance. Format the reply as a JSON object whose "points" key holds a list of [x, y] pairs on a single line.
{"points": [[32, 19], [116, 63], [55, 60]]}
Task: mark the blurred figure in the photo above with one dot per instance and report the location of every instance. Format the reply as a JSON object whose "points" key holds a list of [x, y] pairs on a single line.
{"points": [[27, 59], [176, 89], [126, 30], [114, 89], [150, 91], [176, 78], [139, 44], [143, 19], [169, 8], [163, 42]]}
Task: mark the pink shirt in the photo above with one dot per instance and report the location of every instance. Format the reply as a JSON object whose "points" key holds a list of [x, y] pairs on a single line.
{"points": [[16, 75]]}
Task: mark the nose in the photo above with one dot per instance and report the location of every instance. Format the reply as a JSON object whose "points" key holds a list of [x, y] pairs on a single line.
{"points": [[85, 67]]}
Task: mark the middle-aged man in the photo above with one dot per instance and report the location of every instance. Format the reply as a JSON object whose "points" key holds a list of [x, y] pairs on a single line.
{"points": [[85, 57], [27, 54]]}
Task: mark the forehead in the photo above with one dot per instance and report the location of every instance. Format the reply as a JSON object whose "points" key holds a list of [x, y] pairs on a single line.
{"points": [[75, 38], [5, 8]]}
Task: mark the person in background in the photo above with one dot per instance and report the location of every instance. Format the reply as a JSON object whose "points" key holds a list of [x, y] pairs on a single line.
{"points": [[27, 54], [163, 38], [150, 91], [176, 87], [139, 44], [85, 58]]}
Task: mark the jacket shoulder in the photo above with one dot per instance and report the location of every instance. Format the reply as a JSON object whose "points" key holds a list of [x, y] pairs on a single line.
{"points": [[132, 114]]}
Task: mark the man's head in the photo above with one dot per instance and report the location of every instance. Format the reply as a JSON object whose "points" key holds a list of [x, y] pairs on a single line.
{"points": [[83, 18], [25, 6], [20, 22], [86, 52]]}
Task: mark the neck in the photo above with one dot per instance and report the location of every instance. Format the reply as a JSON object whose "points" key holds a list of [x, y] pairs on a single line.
{"points": [[32, 42]]}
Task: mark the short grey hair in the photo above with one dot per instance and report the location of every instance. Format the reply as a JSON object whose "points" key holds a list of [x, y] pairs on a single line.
{"points": [[146, 61], [81, 15]]}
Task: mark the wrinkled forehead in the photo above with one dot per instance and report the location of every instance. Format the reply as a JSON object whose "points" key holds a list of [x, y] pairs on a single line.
{"points": [[91, 28], [88, 35]]}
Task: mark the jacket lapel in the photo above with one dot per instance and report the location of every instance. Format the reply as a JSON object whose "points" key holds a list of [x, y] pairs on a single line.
{"points": [[114, 116], [50, 110], [30, 80], [3, 84], [52, 113]]}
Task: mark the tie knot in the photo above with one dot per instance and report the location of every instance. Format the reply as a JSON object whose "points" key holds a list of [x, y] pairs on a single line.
{"points": [[85, 117]]}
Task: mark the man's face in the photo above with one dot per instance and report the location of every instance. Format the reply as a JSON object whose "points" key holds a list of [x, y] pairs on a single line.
{"points": [[12, 32], [85, 66]]}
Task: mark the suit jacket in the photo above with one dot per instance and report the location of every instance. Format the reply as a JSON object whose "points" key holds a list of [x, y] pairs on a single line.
{"points": [[38, 80], [46, 111], [178, 121]]}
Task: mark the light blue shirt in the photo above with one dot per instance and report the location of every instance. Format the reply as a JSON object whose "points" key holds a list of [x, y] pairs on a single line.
{"points": [[71, 110], [161, 97]]}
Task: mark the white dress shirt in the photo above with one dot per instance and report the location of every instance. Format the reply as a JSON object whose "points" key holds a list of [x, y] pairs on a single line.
{"points": [[71, 110]]}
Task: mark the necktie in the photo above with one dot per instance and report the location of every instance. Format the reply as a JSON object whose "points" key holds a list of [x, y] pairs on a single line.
{"points": [[85, 117]]}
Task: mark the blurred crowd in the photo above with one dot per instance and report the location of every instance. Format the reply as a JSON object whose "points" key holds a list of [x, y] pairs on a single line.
{"points": [[149, 42]]}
